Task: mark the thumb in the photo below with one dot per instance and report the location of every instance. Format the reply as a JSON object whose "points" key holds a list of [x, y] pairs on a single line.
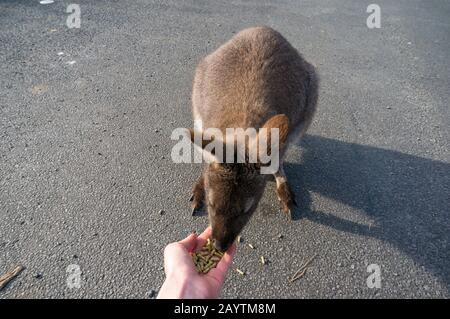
{"points": [[189, 242], [221, 270]]}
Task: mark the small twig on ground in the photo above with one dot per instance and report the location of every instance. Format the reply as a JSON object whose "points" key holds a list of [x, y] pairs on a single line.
{"points": [[302, 270], [10, 275]]}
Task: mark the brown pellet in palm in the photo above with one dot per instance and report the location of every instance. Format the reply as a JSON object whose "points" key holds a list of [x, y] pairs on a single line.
{"points": [[207, 258]]}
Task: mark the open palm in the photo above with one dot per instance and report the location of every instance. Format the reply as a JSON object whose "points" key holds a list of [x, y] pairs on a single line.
{"points": [[183, 280]]}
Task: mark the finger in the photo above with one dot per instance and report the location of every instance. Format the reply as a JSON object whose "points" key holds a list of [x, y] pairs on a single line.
{"points": [[201, 239], [222, 267], [227, 259], [189, 242], [177, 258]]}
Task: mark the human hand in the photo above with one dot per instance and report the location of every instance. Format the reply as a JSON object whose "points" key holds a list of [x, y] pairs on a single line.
{"points": [[182, 278]]}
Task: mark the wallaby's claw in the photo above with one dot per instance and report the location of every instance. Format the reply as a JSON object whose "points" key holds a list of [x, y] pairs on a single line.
{"points": [[197, 197], [196, 211], [287, 209], [197, 207]]}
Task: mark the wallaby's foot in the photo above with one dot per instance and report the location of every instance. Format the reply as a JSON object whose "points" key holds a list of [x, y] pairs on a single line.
{"points": [[286, 197], [197, 198]]}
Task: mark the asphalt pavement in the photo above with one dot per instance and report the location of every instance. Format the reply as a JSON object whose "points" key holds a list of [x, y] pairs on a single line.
{"points": [[86, 176]]}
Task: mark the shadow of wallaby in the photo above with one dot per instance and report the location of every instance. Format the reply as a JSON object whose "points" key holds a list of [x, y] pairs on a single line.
{"points": [[407, 196]]}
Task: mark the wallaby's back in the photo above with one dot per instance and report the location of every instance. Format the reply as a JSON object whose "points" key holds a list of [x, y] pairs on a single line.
{"points": [[252, 77]]}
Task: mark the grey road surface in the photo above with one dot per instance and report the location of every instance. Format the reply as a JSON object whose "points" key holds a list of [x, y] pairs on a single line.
{"points": [[86, 176]]}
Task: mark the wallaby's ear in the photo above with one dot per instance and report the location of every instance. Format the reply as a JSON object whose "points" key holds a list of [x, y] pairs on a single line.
{"points": [[281, 122]]}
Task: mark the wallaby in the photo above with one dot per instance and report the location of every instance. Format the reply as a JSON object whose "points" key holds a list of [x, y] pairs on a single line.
{"points": [[255, 80]]}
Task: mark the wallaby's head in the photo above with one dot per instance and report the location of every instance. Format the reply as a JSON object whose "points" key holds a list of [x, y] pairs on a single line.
{"points": [[233, 189], [232, 193]]}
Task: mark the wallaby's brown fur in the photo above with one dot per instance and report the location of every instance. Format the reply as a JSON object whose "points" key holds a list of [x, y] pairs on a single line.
{"points": [[256, 79]]}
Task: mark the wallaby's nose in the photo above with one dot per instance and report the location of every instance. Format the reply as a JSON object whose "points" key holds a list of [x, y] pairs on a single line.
{"points": [[221, 246]]}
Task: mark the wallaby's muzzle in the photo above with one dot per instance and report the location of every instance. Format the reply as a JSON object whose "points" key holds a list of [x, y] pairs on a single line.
{"points": [[222, 246]]}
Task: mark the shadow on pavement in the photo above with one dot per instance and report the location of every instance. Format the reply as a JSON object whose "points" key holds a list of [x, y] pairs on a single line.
{"points": [[408, 197]]}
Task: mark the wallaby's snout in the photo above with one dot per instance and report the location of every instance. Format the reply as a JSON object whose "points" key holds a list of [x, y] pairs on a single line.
{"points": [[223, 244]]}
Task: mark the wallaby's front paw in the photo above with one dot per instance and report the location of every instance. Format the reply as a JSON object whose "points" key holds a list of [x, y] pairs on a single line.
{"points": [[197, 198], [197, 209], [286, 197]]}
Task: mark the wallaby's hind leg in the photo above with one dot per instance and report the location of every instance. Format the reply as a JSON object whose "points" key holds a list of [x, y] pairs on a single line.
{"points": [[285, 195], [198, 197], [284, 191]]}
